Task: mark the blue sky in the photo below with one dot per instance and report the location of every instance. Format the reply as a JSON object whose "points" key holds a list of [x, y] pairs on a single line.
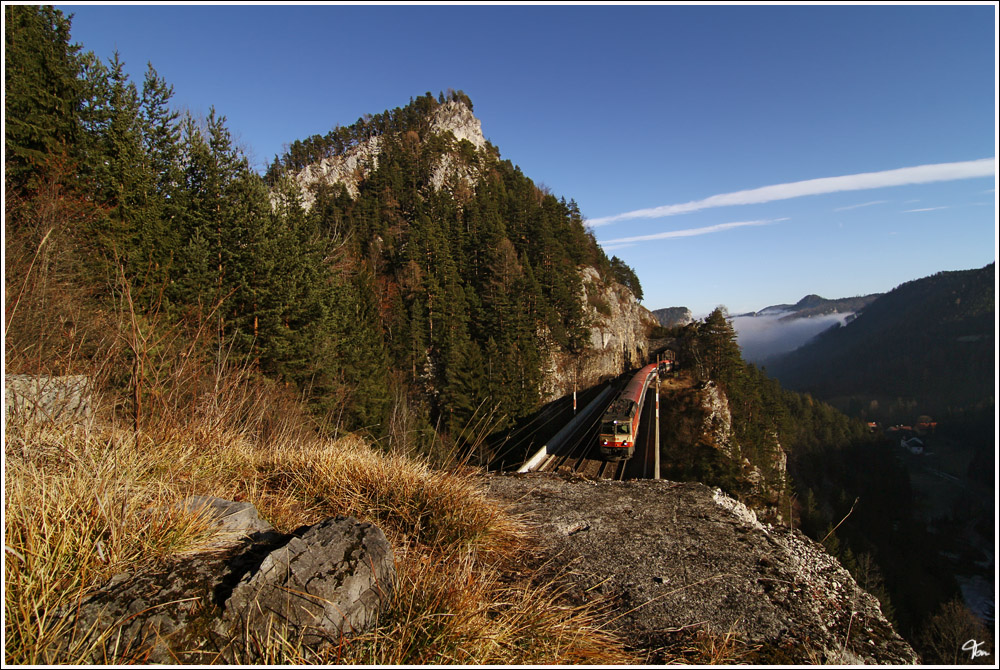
{"points": [[630, 108]]}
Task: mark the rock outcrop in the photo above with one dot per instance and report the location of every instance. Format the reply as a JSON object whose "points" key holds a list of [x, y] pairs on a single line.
{"points": [[668, 317], [355, 164], [312, 586], [456, 118], [348, 169], [328, 582], [717, 426], [668, 559], [46, 398], [696, 415], [619, 329], [717, 422]]}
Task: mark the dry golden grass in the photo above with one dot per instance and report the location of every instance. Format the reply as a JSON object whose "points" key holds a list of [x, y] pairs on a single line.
{"points": [[175, 417], [84, 503], [78, 507], [700, 644]]}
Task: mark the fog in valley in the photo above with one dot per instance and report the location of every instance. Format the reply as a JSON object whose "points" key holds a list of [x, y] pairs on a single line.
{"points": [[761, 337]]}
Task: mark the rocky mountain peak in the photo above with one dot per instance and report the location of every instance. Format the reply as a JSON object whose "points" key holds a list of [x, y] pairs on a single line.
{"points": [[354, 165], [455, 117], [673, 316]]}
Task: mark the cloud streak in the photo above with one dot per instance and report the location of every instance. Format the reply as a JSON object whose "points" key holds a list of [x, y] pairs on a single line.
{"points": [[921, 174], [864, 204], [923, 209], [688, 232], [615, 247]]}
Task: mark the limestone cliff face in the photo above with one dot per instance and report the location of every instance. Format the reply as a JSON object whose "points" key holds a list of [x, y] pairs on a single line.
{"points": [[347, 169], [717, 421], [456, 118], [696, 415], [619, 327], [673, 316], [451, 172], [717, 424]]}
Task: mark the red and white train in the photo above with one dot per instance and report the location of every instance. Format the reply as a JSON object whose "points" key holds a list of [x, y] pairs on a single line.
{"points": [[620, 423]]}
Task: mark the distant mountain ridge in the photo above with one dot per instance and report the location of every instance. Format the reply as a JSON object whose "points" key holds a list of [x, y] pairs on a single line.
{"points": [[927, 344], [780, 329], [814, 305]]}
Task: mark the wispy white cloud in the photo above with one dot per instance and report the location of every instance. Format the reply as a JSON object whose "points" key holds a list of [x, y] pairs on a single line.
{"points": [[864, 204], [923, 209], [688, 232], [921, 174]]}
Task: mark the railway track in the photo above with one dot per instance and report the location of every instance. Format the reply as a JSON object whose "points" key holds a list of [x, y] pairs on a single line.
{"points": [[580, 453], [576, 450], [588, 466]]}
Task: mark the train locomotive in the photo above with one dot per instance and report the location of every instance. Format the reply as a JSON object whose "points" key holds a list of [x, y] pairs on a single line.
{"points": [[620, 423]]}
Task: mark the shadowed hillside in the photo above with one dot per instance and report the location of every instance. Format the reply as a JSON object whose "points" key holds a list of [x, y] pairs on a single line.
{"points": [[928, 345]]}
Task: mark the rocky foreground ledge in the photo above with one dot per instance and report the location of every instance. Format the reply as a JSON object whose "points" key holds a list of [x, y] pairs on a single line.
{"points": [[670, 559]]}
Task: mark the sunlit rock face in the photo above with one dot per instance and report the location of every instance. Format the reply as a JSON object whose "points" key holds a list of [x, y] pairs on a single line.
{"points": [[354, 165], [619, 330], [455, 117], [348, 169], [673, 316]]}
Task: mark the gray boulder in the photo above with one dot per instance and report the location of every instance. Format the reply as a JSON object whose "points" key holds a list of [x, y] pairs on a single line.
{"points": [[160, 613], [320, 582], [671, 558], [231, 518], [329, 582], [46, 398]]}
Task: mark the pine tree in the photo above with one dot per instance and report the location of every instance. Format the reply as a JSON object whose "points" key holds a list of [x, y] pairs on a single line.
{"points": [[720, 351], [193, 273], [626, 276], [42, 91], [160, 236], [122, 170]]}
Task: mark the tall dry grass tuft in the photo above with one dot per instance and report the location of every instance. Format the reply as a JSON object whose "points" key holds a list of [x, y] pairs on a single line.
{"points": [[461, 596], [79, 505], [84, 504]]}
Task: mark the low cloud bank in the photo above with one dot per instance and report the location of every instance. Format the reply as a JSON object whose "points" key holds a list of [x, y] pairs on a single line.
{"points": [[761, 337]]}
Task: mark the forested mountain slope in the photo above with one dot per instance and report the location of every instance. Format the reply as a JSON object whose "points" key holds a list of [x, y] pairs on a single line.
{"points": [[396, 273], [476, 272]]}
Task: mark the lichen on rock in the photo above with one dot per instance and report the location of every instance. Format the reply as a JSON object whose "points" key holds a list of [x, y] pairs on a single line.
{"points": [[663, 558]]}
